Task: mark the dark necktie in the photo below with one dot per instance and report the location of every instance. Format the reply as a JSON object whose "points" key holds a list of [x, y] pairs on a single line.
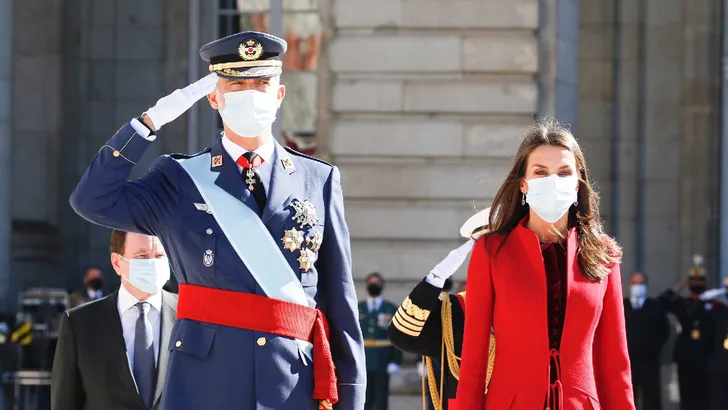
{"points": [[249, 161], [144, 368]]}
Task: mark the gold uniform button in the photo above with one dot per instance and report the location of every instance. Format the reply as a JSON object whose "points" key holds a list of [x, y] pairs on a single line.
{"points": [[116, 153], [178, 344], [209, 231], [261, 341]]}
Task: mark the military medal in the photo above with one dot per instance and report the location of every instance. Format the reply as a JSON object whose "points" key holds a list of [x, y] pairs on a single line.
{"points": [[250, 180], [306, 259], [305, 213], [695, 334], [292, 239], [314, 242]]}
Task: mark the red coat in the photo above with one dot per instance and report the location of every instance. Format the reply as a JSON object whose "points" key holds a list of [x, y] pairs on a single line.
{"points": [[508, 291]]}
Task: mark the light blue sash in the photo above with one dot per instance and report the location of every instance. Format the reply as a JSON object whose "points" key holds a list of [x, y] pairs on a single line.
{"points": [[249, 237]]}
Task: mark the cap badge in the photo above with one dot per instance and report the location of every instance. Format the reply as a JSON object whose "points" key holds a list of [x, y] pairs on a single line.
{"points": [[250, 50]]}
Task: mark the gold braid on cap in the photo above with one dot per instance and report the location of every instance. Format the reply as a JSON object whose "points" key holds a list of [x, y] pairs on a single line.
{"points": [[246, 64]]}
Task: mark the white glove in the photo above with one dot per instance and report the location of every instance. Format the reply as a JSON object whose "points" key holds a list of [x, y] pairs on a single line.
{"points": [[172, 106], [450, 264], [421, 367], [712, 293], [392, 368]]}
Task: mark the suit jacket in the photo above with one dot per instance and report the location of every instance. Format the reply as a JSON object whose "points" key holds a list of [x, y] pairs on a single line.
{"points": [[378, 349], [417, 327], [220, 367], [507, 290], [647, 330], [91, 368]]}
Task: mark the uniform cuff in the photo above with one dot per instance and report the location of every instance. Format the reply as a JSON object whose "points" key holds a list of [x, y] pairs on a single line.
{"points": [[142, 130], [435, 281]]}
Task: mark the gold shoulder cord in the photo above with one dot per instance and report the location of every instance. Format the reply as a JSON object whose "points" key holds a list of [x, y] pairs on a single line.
{"points": [[432, 385], [448, 337], [453, 361]]}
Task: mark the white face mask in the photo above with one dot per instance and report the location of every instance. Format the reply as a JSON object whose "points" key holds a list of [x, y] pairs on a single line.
{"points": [[249, 113], [148, 275], [551, 197], [638, 291]]}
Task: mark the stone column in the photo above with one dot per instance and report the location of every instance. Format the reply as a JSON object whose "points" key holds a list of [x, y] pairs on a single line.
{"points": [[6, 63]]}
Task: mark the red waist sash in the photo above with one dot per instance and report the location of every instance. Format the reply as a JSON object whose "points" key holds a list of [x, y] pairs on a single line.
{"points": [[263, 314]]}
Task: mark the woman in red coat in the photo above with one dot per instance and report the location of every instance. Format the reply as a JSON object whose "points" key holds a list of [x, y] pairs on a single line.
{"points": [[547, 280]]}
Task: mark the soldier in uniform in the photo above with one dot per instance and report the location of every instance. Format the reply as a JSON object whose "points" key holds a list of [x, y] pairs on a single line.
{"points": [[718, 363], [431, 322], [257, 240], [383, 359], [694, 344]]}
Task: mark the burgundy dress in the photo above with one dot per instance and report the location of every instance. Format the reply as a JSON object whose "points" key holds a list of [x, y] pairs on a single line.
{"points": [[554, 258]]}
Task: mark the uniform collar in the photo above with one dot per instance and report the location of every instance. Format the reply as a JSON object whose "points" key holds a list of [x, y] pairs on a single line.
{"points": [[235, 151], [127, 300]]}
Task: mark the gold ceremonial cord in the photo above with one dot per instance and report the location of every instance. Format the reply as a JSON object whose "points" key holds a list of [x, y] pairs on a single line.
{"points": [[453, 361], [448, 338], [432, 384]]}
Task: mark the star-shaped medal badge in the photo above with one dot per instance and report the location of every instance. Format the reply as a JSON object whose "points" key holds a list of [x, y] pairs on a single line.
{"points": [[305, 213], [306, 259], [314, 242], [292, 239]]}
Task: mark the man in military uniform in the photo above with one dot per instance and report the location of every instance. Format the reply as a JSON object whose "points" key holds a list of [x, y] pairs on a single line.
{"points": [[256, 238], [431, 322], [694, 344], [383, 359], [718, 363]]}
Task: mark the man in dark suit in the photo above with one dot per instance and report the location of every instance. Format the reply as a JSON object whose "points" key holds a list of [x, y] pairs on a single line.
{"points": [[112, 353], [647, 331]]}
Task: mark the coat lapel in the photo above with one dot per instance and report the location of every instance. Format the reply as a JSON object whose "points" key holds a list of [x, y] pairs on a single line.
{"points": [[169, 312], [282, 168], [116, 349]]}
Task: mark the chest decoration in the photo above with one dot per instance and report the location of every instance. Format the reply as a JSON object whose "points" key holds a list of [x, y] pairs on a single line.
{"points": [[695, 334], [383, 320], [304, 239], [305, 213], [292, 239]]}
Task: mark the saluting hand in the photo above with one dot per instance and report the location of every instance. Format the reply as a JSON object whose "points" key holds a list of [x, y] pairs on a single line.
{"points": [[172, 106], [453, 260]]}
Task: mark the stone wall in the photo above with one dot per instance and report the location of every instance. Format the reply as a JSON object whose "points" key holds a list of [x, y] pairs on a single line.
{"points": [[673, 55], [427, 101]]}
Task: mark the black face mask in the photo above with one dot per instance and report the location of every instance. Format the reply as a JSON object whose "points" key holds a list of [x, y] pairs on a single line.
{"points": [[697, 289], [374, 289], [95, 284]]}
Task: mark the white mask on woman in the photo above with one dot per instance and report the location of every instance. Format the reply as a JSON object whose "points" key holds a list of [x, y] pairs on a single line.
{"points": [[551, 197], [249, 113]]}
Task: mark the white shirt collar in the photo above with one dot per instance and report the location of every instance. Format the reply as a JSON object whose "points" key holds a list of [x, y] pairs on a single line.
{"points": [[374, 303], [127, 300], [235, 151]]}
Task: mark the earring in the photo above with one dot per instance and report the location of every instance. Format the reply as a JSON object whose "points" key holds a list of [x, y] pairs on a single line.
{"points": [[523, 200], [576, 203]]}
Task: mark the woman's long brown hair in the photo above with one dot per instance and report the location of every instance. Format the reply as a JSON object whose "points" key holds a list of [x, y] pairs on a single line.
{"points": [[597, 252]]}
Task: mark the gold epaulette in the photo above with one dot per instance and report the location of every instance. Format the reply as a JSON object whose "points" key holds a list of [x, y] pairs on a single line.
{"points": [[410, 318]]}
